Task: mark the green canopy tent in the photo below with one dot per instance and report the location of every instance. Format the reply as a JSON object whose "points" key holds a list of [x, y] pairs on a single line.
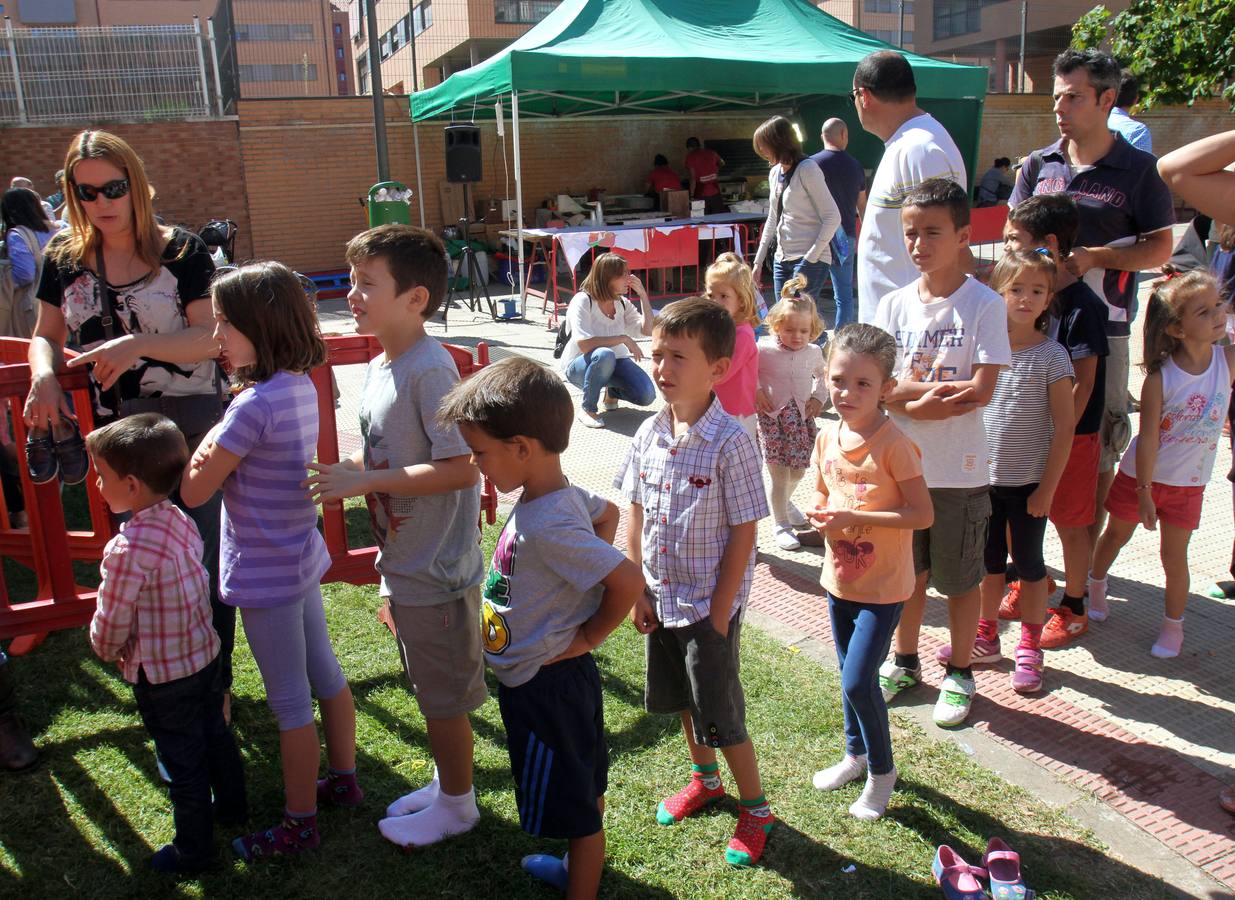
{"points": [[634, 57]]}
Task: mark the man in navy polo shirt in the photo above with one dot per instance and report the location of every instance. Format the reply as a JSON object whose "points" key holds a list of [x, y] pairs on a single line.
{"points": [[1126, 214], [847, 182]]}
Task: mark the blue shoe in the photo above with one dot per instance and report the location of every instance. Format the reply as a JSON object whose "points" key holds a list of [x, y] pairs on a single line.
{"points": [[958, 879], [1003, 864], [549, 869]]}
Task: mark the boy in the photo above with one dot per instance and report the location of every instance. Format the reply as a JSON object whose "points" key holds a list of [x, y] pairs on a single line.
{"points": [[695, 485], [154, 618], [952, 336], [424, 503], [1078, 322], [556, 588]]}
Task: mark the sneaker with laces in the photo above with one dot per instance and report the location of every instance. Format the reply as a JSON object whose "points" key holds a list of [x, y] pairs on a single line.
{"points": [[749, 838], [1027, 675], [984, 651], [1010, 605], [1062, 626], [688, 801], [894, 679], [955, 700]]}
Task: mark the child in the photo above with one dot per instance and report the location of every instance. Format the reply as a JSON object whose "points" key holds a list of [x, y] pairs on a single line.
{"points": [[1078, 322], [869, 496], [425, 504], [154, 617], [730, 283], [696, 493], [271, 557], [952, 338], [791, 388], [1029, 434], [1162, 477], [542, 618]]}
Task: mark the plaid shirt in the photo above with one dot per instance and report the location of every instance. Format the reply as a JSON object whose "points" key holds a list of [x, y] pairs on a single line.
{"points": [[693, 489], [154, 601]]}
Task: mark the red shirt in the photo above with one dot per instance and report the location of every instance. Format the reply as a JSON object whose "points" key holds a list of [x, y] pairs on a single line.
{"points": [[664, 178], [705, 164]]}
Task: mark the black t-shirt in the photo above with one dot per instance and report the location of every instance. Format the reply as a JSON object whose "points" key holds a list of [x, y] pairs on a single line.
{"points": [[154, 304], [1081, 328]]}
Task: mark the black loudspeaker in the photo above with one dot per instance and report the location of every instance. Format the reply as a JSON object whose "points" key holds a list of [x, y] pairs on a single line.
{"points": [[463, 164]]}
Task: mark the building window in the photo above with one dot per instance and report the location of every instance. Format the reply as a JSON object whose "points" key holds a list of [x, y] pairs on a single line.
{"points": [[887, 6], [957, 17], [522, 12], [274, 32], [385, 47], [338, 52], [338, 30], [342, 78], [422, 17], [278, 72], [887, 35]]}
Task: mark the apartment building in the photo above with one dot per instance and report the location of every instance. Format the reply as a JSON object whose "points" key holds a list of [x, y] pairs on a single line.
{"points": [[881, 19]]}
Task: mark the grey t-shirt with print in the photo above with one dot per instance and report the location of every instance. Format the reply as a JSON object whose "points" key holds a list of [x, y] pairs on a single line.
{"points": [[544, 581], [429, 547]]}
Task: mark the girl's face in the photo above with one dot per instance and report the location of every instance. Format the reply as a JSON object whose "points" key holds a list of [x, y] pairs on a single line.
{"points": [[794, 331], [233, 346], [856, 385], [110, 217], [722, 292], [1203, 318], [1027, 297], [620, 284]]}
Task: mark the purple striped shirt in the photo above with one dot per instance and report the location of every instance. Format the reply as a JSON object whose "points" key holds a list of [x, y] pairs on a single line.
{"points": [[270, 551]]}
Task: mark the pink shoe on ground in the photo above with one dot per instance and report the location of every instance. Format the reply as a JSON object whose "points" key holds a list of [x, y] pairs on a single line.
{"points": [[984, 651], [1027, 676]]}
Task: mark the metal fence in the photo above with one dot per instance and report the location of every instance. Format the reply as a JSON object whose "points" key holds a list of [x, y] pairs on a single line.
{"points": [[121, 72]]}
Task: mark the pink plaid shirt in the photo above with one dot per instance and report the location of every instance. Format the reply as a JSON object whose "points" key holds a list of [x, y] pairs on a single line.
{"points": [[154, 601]]}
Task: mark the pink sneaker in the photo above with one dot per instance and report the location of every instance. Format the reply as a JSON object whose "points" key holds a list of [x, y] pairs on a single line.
{"points": [[984, 651], [1027, 676]]}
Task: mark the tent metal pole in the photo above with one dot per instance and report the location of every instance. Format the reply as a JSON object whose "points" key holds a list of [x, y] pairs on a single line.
{"points": [[514, 116]]}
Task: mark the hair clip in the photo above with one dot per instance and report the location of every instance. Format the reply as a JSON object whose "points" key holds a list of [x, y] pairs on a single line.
{"points": [[1174, 273], [1044, 252]]}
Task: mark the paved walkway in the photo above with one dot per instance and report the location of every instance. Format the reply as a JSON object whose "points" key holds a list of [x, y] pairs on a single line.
{"points": [[1152, 739]]}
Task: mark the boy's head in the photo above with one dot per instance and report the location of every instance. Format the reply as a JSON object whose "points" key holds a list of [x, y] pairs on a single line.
{"points": [[398, 278], [692, 344], [139, 460], [935, 219], [1045, 220], [512, 414]]}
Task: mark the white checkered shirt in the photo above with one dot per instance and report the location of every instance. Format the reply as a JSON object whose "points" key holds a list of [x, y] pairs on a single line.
{"points": [[693, 489]]}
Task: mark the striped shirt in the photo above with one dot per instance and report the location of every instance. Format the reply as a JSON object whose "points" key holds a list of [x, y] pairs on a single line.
{"points": [[1019, 427], [270, 551], [693, 490], [154, 600]]}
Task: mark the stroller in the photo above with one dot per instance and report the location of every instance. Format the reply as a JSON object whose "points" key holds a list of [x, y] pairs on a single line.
{"points": [[219, 236]]}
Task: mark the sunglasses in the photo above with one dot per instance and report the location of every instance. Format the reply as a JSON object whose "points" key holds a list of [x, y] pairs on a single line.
{"points": [[853, 95], [113, 190]]}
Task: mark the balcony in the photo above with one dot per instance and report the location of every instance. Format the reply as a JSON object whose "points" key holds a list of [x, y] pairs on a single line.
{"points": [[522, 12]]}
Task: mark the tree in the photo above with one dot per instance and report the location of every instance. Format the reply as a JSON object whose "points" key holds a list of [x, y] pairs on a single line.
{"points": [[1182, 51]]}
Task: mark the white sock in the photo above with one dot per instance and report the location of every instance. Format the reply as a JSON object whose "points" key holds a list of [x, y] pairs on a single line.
{"points": [[1099, 609], [873, 801], [779, 496], [421, 798], [850, 768], [448, 815]]}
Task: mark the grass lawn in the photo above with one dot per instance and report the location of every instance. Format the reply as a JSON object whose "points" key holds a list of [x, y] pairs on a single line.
{"points": [[86, 820]]}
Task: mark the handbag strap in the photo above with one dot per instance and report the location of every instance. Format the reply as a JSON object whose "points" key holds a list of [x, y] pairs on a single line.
{"points": [[107, 309], [780, 195]]}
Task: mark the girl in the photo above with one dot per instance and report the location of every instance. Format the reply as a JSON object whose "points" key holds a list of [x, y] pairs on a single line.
{"points": [[1029, 423], [870, 495], [1162, 476], [791, 390], [601, 353], [730, 283], [272, 557]]}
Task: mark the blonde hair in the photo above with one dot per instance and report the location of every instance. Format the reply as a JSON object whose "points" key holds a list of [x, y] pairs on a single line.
{"points": [[866, 340], [599, 281], [1015, 262], [1165, 308], [730, 268], [795, 302], [83, 240]]}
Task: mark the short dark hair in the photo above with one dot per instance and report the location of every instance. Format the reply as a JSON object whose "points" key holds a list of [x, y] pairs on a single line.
{"points": [[1102, 69], [941, 193], [1129, 90], [888, 75], [776, 135], [692, 143], [1045, 214], [514, 397], [702, 319], [660, 160], [147, 446], [415, 257], [1002, 161]]}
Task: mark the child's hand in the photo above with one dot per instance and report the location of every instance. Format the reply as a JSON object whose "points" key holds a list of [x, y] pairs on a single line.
{"points": [[932, 404], [1148, 510], [335, 482], [1039, 503], [833, 519], [643, 614], [205, 447], [763, 402], [578, 646], [814, 408]]}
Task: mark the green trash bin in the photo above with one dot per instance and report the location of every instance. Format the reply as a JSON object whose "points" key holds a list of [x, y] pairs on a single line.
{"points": [[390, 204]]}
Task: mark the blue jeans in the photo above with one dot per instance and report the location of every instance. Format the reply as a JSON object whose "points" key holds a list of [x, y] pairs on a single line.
{"points": [[600, 368], [842, 286], [862, 633]]}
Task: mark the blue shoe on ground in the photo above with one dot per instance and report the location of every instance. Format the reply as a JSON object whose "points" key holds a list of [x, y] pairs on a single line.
{"points": [[549, 869]]}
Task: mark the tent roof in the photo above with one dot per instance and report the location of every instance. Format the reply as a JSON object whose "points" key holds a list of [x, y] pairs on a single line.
{"points": [[613, 57]]}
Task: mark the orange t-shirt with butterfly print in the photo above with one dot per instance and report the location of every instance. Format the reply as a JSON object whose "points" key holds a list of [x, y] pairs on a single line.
{"points": [[867, 563]]}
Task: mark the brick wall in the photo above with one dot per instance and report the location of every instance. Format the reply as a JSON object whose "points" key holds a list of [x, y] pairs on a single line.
{"points": [[195, 166]]}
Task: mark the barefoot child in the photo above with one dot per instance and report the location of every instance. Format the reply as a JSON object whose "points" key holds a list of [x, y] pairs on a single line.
{"points": [[696, 497], [556, 588], [869, 496], [730, 283]]}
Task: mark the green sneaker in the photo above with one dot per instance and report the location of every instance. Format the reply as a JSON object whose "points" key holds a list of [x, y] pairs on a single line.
{"points": [[893, 679], [955, 700]]}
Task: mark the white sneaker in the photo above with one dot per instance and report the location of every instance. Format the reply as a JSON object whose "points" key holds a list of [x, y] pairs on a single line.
{"points": [[609, 402], [894, 680], [955, 700], [797, 518], [786, 539], [589, 420]]}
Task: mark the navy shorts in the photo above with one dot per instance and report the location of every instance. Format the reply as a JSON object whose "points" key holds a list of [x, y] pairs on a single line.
{"points": [[555, 733]]}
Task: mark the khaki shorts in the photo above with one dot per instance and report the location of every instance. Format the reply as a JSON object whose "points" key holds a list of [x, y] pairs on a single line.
{"points": [[953, 548], [1116, 431], [439, 646]]}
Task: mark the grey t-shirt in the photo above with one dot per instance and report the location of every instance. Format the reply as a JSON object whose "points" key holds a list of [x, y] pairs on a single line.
{"points": [[544, 581], [429, 547]]}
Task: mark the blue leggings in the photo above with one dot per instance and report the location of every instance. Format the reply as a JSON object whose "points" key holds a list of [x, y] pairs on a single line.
{"points": [[863, 634], [292, 650]]}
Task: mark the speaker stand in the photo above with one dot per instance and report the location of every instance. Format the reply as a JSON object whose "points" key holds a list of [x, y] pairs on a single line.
{"points": [[467, 266]]}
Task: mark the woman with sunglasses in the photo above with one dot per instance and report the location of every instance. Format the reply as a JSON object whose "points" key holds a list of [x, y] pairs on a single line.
{"points": [[134, 296]]}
